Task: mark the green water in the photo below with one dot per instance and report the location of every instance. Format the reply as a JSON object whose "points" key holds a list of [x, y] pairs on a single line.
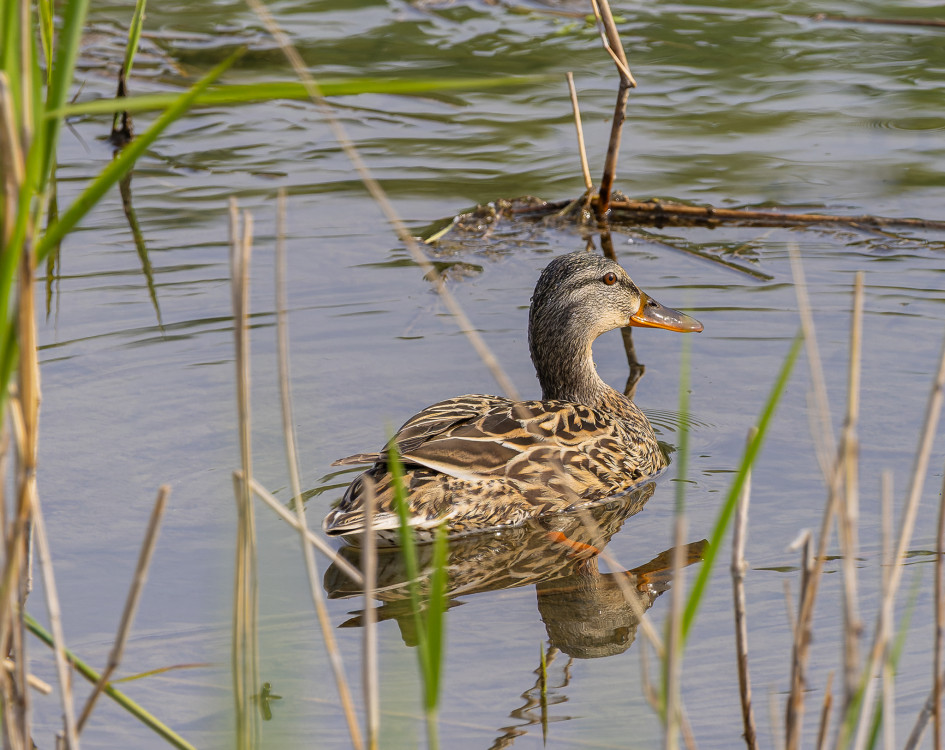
{"points": [[734, 108]]}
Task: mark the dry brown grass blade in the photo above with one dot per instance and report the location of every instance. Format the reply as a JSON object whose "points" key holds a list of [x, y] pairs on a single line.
{"points": [[55, 626], [794, 716], [308, 554], [131, 603], [245, 652], [582, 151], [939, 625], [916, 483], [40, 686], [825, 714], [369, 676], [380, 197], [889, 674], [343, 565], [848, 518], [739, 567]]}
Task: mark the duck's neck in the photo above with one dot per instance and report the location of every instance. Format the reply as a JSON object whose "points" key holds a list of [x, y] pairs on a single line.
{"points": [[565, 367]]}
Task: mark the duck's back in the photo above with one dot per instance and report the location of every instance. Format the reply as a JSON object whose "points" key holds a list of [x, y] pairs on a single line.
{"points": [[480, 462]]}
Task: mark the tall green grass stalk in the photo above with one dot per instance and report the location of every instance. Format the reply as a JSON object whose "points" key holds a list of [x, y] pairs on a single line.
{"points": [[429, 620], [731, 500]]}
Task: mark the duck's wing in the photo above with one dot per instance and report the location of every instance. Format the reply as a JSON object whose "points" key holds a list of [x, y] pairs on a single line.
{"points": [[532, 442], [430, 424]]}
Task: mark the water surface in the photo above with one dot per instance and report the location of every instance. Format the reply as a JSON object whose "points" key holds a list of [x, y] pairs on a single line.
{"points": [[753, 107]]}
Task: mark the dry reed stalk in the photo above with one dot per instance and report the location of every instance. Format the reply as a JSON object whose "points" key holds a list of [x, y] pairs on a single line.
{"points": [[40, 686], [288, 431], [916, 484], [372, 718], [614, 47], [739, 567], [800, 651], [939, 626], [674, 642], [245, 652], [825, 714], [848, 517], [55, 625], [343, 565], [582, 152], [131, 603], [380, 197], [889, 682]]}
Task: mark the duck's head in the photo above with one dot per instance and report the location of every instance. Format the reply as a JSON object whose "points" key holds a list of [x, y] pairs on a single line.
{"points": [[578, 297]]}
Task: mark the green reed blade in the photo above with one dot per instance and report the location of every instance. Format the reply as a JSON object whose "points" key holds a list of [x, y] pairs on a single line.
{"points": [[262, 92], [46, 28], [408, 550], [120, 698], [731, 501], [60, 83], [134, 38], [436, 609], [120, 166]]}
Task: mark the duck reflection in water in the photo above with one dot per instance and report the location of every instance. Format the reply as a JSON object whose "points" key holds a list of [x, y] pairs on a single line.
{"points": [[586, 613]]}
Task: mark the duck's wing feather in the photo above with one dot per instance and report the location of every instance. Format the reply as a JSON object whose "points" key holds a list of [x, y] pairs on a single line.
{"points": [[529, 441]]}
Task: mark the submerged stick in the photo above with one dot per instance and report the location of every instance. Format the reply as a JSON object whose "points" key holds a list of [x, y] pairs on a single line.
{"points": [[739, 566], [131, 603]]}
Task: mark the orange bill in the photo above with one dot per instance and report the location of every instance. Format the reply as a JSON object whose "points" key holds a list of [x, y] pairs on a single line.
{"points": [[653, 315]]}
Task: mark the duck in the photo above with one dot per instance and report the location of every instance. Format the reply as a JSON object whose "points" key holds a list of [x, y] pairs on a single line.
{"points": [[478, 462]]}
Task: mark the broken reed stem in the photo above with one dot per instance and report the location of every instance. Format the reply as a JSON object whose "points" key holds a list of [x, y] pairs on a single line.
{"points": [[800, 650], [245, 652], [825, 714], [380, 197], [131, 603], [739, 568], [40, 686], [916, 484], [849, 517], [288, 432], [55, 625], [370, 679], [582, 151], [939, 625], [614, 47], [343, 565]]}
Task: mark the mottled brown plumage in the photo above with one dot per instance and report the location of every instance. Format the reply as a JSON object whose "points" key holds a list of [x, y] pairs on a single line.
{"points": [[479, 462]]}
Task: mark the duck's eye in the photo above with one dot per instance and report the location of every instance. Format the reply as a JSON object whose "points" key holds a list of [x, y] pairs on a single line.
{"points": [[610, 278]]}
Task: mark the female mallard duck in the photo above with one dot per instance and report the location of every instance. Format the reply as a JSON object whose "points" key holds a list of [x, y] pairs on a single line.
{"points": [[481, 462]]}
